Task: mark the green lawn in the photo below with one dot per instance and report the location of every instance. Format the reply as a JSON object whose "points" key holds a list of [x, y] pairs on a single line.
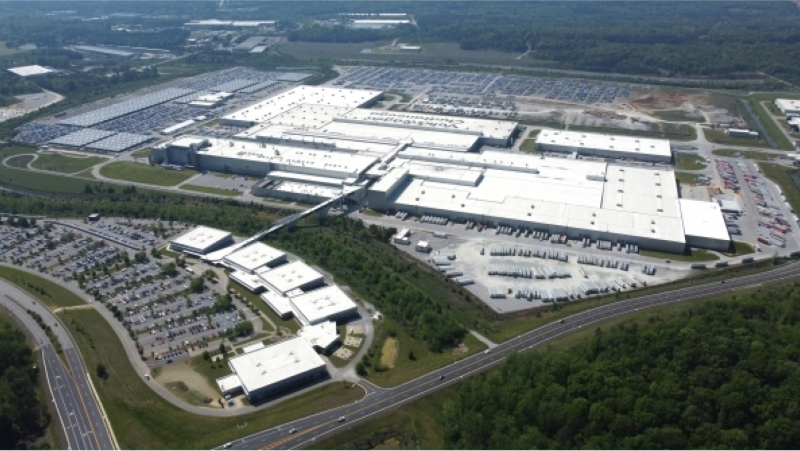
{"points": [[63, 163], [50, 294], [781, 175], [720, 137], [142, 153], [4, 51], [534, 133], [772, 127], [425, 361], [753, 155], [685, 177], [741, 248], [262, 306], [677, 116], [529, 145], [20, 161], [143, 420], [143, 173], [87, 174], [211, 190], [692, 255], [689, 162]]}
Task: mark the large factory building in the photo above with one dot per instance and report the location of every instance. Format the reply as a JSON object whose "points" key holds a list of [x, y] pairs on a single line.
{"points": [[607, 146]]}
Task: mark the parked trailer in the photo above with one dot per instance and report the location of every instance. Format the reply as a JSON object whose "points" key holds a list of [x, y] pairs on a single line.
{"points": [[698, 266]]}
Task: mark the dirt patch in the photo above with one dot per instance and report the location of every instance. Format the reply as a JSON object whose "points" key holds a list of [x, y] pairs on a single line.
{"points": [[665, 101], [460, 349], [183, 375], [389, 352], [605, 114], [392, 443]]}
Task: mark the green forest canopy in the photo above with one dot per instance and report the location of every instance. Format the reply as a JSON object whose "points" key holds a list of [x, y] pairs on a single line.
{"points": [[722, 375]]}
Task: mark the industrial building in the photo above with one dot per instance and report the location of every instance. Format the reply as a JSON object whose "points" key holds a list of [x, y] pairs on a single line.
{"points": [[276, 368], [290, 278], [608, 146], [789, 107], [326, 304], [378, 23], [741, 133], [107, 51], [211, 100], [322, 337], [253, 257], [201, 240], [27, 71]]}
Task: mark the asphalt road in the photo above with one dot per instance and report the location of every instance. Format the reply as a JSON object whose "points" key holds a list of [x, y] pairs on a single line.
{"points": [[311, 428]]}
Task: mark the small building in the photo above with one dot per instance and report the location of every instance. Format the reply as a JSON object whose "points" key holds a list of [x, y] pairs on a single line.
{"points": [[171, 130], [789, 107], [94, 217], [423, 246], [277, 368], [229, 385], [290, 277], [212, 100], [256, 255], [410, 49], [201, 240], [325, 304], [741, 133], [730, 206], [27, 71]]}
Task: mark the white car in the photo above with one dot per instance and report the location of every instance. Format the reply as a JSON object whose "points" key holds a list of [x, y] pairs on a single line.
{"points": [[341, 419]]}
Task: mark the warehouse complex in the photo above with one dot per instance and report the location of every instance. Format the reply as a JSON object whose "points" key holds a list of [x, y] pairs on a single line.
{"points": [[311, 143]]}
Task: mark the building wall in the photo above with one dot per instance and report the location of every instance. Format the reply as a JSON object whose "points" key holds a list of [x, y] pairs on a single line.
{"points": [[258, 189], [708, 243], [286, 384]]}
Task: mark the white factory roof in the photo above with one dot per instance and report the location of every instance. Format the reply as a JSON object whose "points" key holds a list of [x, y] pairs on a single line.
{"points": [[253, 257], [263, 111], [290, 276], [201, 238], [703, 219], [184, 142], [321, 335], [381, 21], [421, 138], [487, 128], [229, 383], [275, 363], [277, 302], [25, 71], [253, 347], [308, 189], [287, 157], [730, 205], [215, 96], [607, 143], [319, 305], [250, 281], [787, 105]]}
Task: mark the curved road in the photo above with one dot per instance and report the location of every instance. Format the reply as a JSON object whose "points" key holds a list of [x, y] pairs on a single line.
{"points": [[308, 429]]}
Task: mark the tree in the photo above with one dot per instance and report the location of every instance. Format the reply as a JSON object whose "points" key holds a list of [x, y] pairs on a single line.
{"points": [[243, 328], [101, 371], [206, 355], [411, 355], [196, 285], [361, 369]]}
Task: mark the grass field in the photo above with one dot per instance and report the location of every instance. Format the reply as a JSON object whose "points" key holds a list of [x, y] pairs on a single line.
{"points": [[753, 155], [5, 51], [781, 175], [142, 173], [141, 153], [677, 116], [529, 145], [741, 248], [692, 255], [720, 137], [685, 177], [62, 163], [211, 190], [772, 127], [50, 294], [143, 420], [689, 162], [389, 352], [87, 174], [532, 134], [20, 161], [406, 369]]}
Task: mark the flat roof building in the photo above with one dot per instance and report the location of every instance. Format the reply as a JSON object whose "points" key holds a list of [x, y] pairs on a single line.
{"points": [[788, 106], [277, 368], [107, 51], [201, 240], [27, 71], [253, 257], [704, 225], [321, 336], [291, 276], [610, 146], [325, 304]]}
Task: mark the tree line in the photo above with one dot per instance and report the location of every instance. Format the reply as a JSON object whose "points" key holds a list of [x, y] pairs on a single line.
{"points": [[718, 375]]}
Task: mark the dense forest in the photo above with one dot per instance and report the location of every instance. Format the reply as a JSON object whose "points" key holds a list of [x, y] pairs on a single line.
{"points": [[359, 257], [721, 375], [23, 418]]}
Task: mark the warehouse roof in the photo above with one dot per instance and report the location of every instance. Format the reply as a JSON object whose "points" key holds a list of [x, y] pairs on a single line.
{"points": [[788, 104], [290, 276], [487, 128], [319, 305], [703, 219], [201, 237], [26, 71], [321, 335], [608, 143], [254, 256], [275, 363], [421, 138]]}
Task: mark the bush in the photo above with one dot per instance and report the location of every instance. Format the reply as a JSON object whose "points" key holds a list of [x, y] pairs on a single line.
{"points": [[361, 369], [101, 371], [206, 355]]}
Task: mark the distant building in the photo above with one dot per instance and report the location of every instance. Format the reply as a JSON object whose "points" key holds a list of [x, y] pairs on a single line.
{"points": [[201, 240], [410, 48], [27, 71], [741, 133], [789, 107], [107, 51], [94, 217]]}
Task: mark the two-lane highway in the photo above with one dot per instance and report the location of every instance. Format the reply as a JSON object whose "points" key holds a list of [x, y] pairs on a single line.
{"points": [[305, 431]]}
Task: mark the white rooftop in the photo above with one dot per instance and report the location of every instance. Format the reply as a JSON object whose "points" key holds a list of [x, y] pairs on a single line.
{"points": [[321, 335], [250, 281], [607, 143], [253, 347], [229, 383], [25, 71], [319, 305], [420, 138], [703, 219], [487, 128], [275, 363], [201, 237], [290, 276], [788, 105], [254, 256]]}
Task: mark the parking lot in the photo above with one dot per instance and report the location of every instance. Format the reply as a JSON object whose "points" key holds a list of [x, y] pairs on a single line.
{"points": [[481, 84]]}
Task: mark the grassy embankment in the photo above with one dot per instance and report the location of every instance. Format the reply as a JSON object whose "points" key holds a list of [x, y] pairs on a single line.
{"points": [[677, 116], [691, 255], [211, 190], [720, 137], [143, 173], [750, 154], [64, 163], [689, 162]]}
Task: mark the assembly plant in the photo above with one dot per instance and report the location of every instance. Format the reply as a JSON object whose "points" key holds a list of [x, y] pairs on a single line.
{"points": [[309, 143]]}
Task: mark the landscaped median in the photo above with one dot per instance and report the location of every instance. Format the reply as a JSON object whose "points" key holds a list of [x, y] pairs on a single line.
{"points": [[144, 173], [140, 418]]}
